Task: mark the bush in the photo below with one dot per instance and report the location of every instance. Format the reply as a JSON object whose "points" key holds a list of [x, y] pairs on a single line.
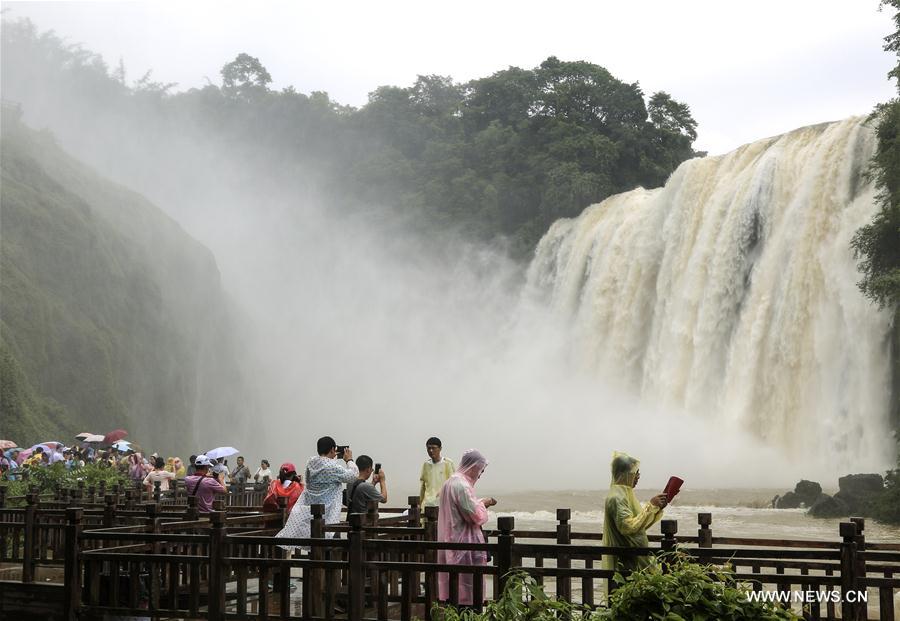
{"points": [[887, 505], [523, 599], [688, 591], [47, 478]]}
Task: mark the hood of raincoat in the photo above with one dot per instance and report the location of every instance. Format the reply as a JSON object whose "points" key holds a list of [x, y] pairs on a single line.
{"points": [[624, 468], [471, 465]]}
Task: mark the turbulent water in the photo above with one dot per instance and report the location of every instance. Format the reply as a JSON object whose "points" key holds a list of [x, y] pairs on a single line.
{"points": [[735, 513], [731, 294]]}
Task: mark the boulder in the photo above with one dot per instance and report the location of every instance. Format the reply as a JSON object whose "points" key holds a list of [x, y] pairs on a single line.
{"points": [[790, 500], [808, 492], [826, 506], [860, 491], [861, 484]]}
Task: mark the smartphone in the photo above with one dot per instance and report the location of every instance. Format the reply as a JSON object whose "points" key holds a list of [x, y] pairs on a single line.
{"points": [[377, 468]]}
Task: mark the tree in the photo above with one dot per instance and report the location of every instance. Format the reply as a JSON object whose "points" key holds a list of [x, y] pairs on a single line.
{"points": [[877, 244], [245, 78], [669, 115]]}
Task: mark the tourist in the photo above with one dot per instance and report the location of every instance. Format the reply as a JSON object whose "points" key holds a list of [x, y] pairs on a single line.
{"points": [[159, 473], [203, 485], [191, 469], [239, 475], [625, 522], [178, 468], [360, 491], [35, 459], [435, 471], [136, 471], [288, 486], [264, 473], [460, 519], [325, 480], [220, 471]]}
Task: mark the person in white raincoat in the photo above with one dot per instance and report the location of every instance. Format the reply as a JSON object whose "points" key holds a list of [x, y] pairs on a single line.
{"points": [[325, 479]]}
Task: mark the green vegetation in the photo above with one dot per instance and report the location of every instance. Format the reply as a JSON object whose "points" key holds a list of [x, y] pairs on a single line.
{"points": [[105, 304], [688, 591], [498, 157], [887, 505], [47, 479], [877, 245]]}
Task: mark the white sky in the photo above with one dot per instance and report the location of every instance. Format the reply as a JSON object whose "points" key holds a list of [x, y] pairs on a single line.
{"points": [[747, 69]]}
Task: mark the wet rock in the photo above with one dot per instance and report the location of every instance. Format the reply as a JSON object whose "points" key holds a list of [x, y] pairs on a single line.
{"points": [[861, 484], [808, 492], [790, 500], [826, 506], [860, 491]]}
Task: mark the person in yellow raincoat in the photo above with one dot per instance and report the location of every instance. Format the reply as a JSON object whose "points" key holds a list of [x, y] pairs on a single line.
{"points": [[625, 522]]}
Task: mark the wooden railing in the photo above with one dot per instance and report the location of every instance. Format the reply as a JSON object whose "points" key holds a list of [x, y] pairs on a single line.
{"points": [[169, 558], [222, 567]]}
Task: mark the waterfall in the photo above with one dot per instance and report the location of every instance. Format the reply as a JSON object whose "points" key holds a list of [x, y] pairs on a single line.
{"points": [[730, 294]]}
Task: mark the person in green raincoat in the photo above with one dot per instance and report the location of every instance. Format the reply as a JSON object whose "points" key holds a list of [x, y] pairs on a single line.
{"points": [[625, 522]]}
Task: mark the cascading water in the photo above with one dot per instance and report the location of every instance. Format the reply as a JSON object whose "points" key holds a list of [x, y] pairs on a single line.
{"points": [[731, 294]]}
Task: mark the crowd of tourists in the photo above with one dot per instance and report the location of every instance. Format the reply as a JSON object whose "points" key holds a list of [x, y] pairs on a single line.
{"points": [[333, 478]]}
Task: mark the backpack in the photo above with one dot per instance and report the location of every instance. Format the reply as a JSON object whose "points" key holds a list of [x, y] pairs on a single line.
{"points": [[350, 492]]}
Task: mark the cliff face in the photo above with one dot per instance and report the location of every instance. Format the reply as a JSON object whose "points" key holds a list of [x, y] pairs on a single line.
{"points": [[112, 316]]}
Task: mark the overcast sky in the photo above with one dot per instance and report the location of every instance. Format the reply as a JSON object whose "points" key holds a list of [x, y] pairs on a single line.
{"points": [[747, 69]]}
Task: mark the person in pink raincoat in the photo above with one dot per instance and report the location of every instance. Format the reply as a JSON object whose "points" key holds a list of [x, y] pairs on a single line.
{"points": [[461, 515]]}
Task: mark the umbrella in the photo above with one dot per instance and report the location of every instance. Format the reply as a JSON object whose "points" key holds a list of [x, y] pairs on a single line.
{"points": [[92, 438], [81, 436], [222, 451], [23, 455], [7, 444], [45, 446], [114, 436], [8, 453], [122, 445]]}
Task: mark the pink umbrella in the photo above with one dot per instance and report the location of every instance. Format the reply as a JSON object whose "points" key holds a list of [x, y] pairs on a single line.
{"points": [[23, 455], [7, 444], [114, 436]]}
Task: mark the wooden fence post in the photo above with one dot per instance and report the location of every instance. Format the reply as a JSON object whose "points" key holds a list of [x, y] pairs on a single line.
{"points": [[563, 537], [848, 570], [2, 497], [91, 493], [316, 553], [356, 574], [372, 513], [860, 561], [704, 533], [72, 573], [415, 513], [669, 528], [109, 511], [101, 489], [157, 491], [155, 548], [79, 492], [505, 524], [431, 519], [192, 513], [216, 587], [31, 500]]}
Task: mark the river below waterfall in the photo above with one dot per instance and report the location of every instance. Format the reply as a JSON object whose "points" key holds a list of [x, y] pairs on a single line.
{"points": [[735, 513]]}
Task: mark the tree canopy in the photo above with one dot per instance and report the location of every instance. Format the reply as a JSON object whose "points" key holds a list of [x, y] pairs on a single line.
{"points": [[500, 156]]}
